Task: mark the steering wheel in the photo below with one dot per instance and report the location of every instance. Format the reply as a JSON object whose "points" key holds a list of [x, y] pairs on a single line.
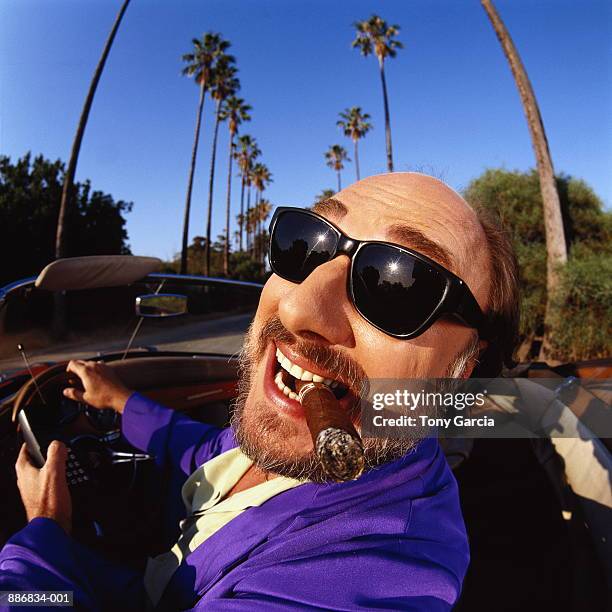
{"points": [[92, 435], [117, 509]]}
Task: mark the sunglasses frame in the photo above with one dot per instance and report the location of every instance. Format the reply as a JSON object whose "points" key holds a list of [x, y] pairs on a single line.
{"points": [[456, 301]]}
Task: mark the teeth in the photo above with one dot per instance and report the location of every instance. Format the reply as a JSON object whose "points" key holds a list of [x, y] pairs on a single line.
{"points": [[283, 387], [297, 372]]}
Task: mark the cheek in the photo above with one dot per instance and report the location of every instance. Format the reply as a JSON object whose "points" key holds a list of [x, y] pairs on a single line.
{"points": [[427, 356], [268, 301]]}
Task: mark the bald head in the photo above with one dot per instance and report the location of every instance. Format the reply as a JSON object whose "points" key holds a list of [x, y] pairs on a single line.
{"points": [[419, 212]]}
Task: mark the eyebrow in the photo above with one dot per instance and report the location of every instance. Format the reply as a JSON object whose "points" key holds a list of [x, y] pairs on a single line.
{"points": [[406, 235], [330, 208], [417, 240]]}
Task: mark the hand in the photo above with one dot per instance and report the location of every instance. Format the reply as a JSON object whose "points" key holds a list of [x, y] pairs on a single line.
{"points": [[101, 385], [44, 491]]}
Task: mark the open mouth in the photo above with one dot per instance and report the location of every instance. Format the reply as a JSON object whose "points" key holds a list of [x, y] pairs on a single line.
{"points": [[288, 372]]}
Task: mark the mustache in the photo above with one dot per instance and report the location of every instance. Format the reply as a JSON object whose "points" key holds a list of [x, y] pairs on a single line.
{"points": [[327, 359]]}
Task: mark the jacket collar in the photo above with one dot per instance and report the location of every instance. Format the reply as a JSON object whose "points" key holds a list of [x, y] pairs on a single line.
{"points": [[235, 541]]}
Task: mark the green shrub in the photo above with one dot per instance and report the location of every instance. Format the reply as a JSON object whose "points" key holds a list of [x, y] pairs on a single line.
{"points": [[515, 197], [581, 310]]}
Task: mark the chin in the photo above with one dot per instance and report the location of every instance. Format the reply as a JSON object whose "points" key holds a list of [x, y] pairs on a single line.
{"points": [[273, 441]]}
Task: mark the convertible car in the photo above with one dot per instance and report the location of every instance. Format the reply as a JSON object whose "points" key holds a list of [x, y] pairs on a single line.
{"points": [[538, 514]]}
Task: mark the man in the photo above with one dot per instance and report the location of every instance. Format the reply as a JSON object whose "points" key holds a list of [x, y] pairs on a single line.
{"points": [[264, 529]]}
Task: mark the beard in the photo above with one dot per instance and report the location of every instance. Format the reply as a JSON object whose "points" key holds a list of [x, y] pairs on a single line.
{"points": [[266, 437]]}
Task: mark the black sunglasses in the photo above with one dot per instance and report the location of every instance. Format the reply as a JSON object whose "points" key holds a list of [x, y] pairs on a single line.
{"points": [[397, 290]]}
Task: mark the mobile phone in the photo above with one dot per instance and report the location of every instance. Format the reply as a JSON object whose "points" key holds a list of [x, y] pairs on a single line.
{"points": [[75, 473]]}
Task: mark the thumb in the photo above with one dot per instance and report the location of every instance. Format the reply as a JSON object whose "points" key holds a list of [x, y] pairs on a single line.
{"points": [[56, 457]]}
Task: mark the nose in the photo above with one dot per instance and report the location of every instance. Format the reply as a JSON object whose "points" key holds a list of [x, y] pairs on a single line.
{"points": [[318, 308]]}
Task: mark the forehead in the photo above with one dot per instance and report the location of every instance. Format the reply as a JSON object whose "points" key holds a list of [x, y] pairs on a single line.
{"points": [[417, 211]]}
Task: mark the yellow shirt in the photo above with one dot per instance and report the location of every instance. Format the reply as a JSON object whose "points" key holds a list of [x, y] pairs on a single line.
{"points": [[208, 509]]}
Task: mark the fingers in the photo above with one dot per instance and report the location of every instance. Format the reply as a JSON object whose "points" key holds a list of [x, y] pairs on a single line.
{"points": [[77, 366], [56, 457], [74, 394], [23, 465], [23, 458]]}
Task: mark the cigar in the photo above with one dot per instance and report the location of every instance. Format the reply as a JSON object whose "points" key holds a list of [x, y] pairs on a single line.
{"points": [[336, 442]]}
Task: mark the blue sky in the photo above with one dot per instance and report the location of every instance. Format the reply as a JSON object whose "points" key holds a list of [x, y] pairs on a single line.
{"points": [[455, 110]]}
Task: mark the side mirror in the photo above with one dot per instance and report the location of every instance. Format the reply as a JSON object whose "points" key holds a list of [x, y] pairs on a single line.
{"points": [[156, 305]]}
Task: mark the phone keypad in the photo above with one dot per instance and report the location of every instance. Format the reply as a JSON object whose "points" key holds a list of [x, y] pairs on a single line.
{"points": [[75, 474]]}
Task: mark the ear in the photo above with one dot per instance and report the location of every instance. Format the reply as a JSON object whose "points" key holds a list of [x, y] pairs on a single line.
{"points": [[469, 368]]}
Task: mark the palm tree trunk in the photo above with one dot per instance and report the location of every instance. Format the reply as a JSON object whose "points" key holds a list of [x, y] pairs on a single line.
{"points": [[387, 117], [339, 180], [211, 184], [227, 207], [256, 225], [76, 145], [356, 152], [240, 243], [556, 248], [194, 154], [247, 219]]}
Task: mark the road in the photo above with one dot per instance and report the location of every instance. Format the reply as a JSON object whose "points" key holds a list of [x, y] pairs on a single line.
{"points": [[224, 335]]}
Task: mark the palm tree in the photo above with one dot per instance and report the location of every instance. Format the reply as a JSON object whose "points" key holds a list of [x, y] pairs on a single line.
{"points": [[200, 63], [261, 178], [376, 36], [336, 155], [250, 224], [263, 212], [245, 155], [223, 84], [78, 137], [355, 125], [556, 248], [235, 111]]}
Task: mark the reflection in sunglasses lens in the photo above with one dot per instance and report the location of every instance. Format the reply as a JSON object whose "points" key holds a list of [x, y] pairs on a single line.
{"points": [[299, 244], [393, 289]]}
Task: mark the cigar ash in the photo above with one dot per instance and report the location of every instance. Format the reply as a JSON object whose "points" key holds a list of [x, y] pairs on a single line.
{"points": [[336, 442]]}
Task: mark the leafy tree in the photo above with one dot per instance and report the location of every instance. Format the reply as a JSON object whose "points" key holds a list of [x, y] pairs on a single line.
{"points": [[335, 157], [324, 195], [242, 265], [374, 35], [581, 308], [200, 63], [223, 84], [516, 197], [245, 268], [355, 125], [30, 193], [234, 111]]}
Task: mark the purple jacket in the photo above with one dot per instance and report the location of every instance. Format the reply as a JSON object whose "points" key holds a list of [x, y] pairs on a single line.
{"points": [[392, 540]]}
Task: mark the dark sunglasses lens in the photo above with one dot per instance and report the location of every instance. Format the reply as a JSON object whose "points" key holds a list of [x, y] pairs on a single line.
{"points": [[299, 243], [394, 290]]}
